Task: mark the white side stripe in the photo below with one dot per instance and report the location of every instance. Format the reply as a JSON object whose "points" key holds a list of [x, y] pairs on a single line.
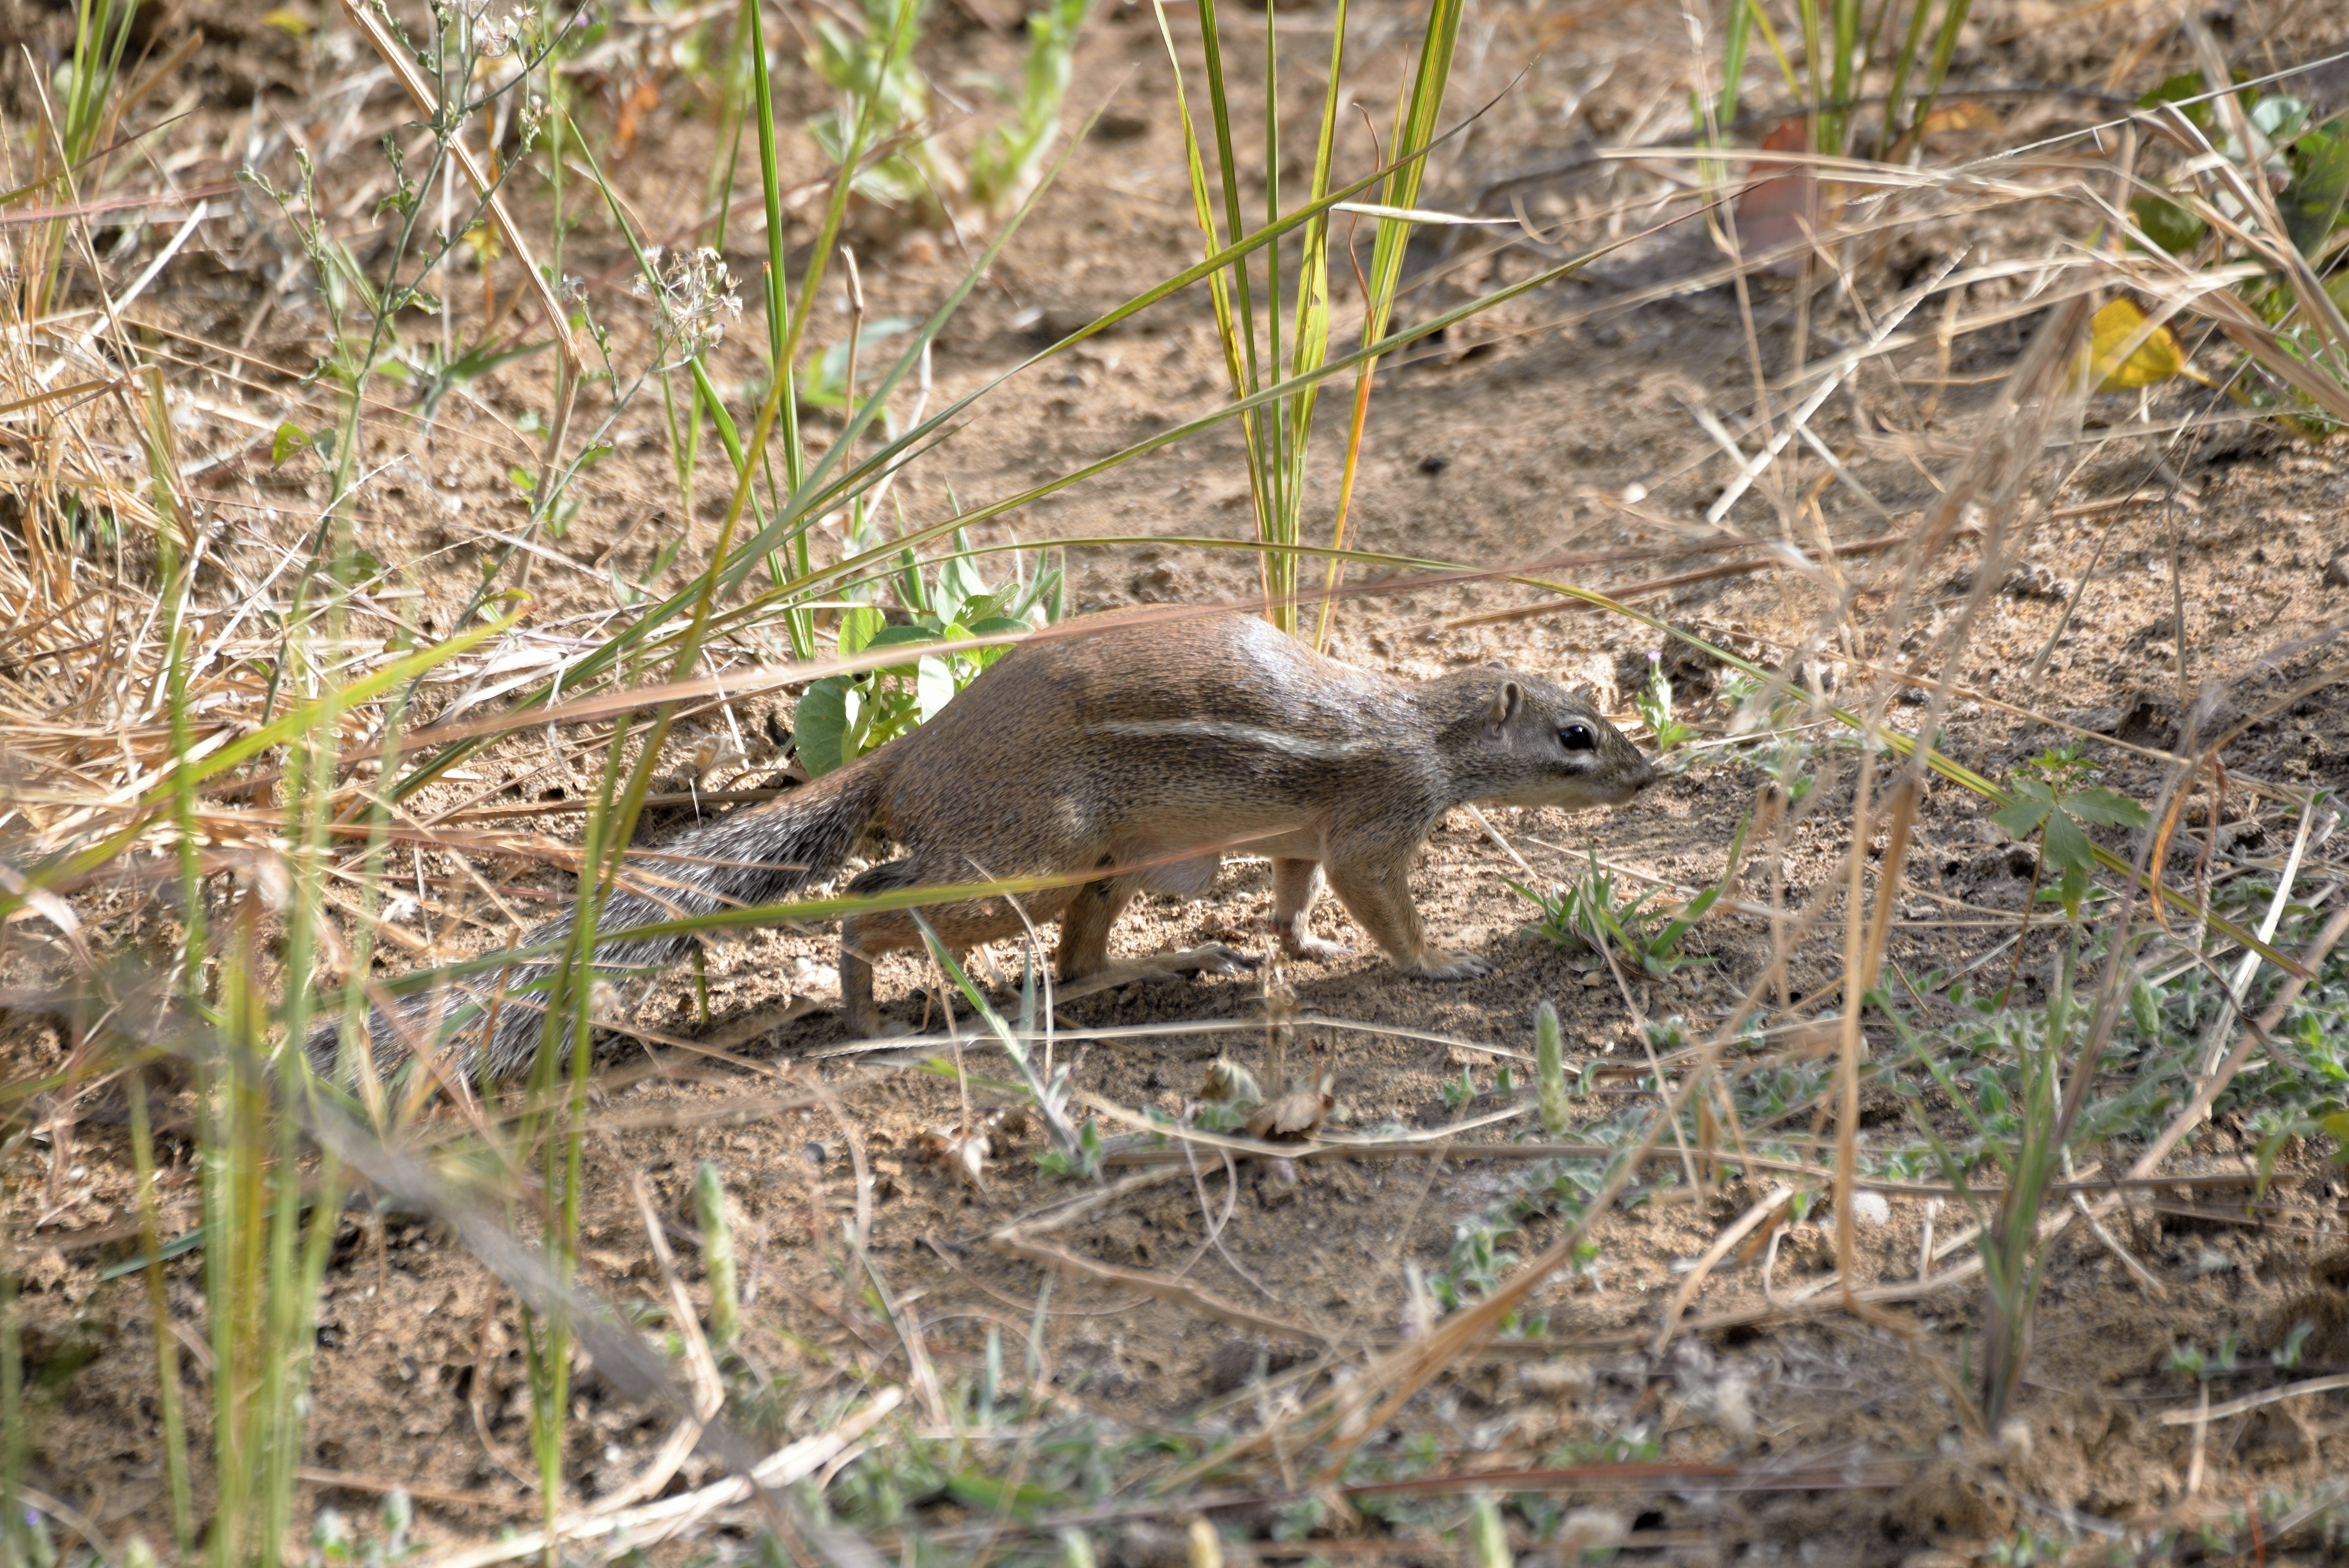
{"points": [[1239, 734]]}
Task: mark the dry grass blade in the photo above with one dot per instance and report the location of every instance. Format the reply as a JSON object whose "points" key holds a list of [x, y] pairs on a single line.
{"points": [[1144, 1282], [2250, 1402], [708, 1393], [1761, 1212], [651, 1522]]}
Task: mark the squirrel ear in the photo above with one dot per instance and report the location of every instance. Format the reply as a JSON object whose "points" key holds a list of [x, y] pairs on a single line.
{"points": [[1507, 702]]}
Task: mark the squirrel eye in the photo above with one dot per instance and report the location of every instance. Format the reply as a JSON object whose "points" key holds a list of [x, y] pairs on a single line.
{"points": [[1577, 738]]}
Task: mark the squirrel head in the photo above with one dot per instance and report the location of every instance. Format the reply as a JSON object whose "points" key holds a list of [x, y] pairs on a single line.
{"points": [[1524, 741]]}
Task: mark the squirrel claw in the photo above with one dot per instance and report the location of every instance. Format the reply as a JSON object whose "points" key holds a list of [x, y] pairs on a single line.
{"points": [[1438, 965], [1316, 950], [1217, 959]]}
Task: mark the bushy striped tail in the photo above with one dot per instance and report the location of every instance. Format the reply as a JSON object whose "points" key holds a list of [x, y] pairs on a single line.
{"points": [[495, 1021]]}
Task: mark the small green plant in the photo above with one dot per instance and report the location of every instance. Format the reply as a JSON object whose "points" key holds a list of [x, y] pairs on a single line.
{"points": [[717, 1255], [1458, 1092], [1654, 701], [1835, 50], [2054, 801], [885, 100], [1591, 913], [2027, 1548], [333, 1546], [2190, 1360], [2201, 219], [883, 95], [1554, 1100], [1639, 1443], [843, 717], [1005, 165], [1078, 1162], [2022, 1131], [1276, 354]]}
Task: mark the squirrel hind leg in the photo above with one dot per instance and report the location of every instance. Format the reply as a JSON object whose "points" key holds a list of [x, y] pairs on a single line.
{"points": [[1084, 965], [1086, 923], [961, 925], [1296, 886]]}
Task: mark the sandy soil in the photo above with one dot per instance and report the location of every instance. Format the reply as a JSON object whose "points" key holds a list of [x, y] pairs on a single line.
{"points": [[1561, 425]]}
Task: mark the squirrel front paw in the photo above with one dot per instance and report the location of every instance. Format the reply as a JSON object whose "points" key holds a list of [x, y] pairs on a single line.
{"points": [[1315, 949], [1436, 964]]}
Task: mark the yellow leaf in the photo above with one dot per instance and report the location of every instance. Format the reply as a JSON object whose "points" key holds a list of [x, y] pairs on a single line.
{"points": [[286, 19], [1966, 114], [2125, 352]]}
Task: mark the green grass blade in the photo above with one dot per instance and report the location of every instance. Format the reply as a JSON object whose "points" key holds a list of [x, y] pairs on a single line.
{"points": [[1739, 33], [1843, 23], [1895, 140], [167, 1344], [781, 339], [1416, 115], [1236, 338], [1945, 46]]}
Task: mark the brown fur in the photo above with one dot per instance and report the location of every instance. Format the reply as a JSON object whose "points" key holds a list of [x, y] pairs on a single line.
{"points": [[1154, 746]]}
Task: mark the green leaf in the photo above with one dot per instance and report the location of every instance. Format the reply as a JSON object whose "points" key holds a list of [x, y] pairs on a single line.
{"points": [[2064, 845], [2105, 807], [897, 636], [288, 440], [2319, 183], [2073, 888], [993, 626], [2337, 1124], [2179, 90], [2023, 818], [820, 723], [2279, 117], [855, 734], [2168, 224], [976, 1490], [481, 361], [933, 683], [858, 627]]}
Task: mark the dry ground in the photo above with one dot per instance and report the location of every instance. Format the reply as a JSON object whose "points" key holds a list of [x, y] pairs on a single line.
{"points": [[1563, 426]]}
